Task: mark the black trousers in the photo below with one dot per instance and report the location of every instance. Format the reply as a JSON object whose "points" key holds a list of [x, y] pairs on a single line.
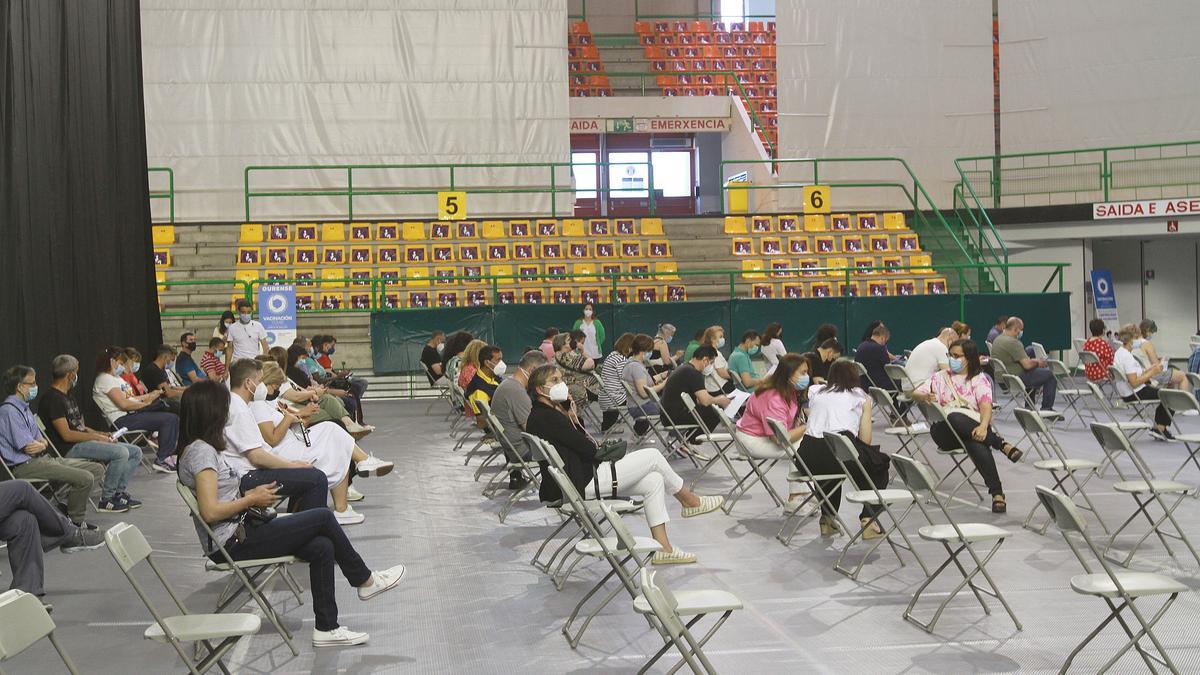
{"points": [[980, 452], [815, 452], [307, 488], [1148, 393]]}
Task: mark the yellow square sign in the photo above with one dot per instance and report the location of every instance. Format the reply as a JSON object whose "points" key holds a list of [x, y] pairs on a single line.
{"points": [[816, 199], [453, 205]]}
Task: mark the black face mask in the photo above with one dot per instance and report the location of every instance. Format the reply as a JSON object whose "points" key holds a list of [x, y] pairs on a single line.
{"points": [[191, 346]]}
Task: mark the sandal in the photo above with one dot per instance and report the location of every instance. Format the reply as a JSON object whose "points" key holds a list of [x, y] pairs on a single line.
{"points": [[829, 526], [1013, 453], [998, 504], [871, 529]]}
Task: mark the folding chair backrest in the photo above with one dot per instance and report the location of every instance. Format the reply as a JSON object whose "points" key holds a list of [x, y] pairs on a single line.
{"points": [[1064, 511], [1031, 422], [1039, 351], [726, 423], [843, 449], [625, 539], [691, 407], [127, 545], [915, 475], [933, 413], [662, 602], [1177, 400], [1058, 368], [25, 621], [574, 500], [545, 450], [998, 367], [1115, 374], [1088, 358], [1014, 386], [899, 374], [1114, 441], [883, 401], [780, 432]]}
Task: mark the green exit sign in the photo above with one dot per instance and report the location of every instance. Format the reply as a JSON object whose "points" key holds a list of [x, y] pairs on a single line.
{"points": [[621, 125]]}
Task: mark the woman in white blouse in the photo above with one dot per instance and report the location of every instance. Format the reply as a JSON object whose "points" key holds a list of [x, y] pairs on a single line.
{"points": [[716, 376], [772, 347], [1136, 387]]}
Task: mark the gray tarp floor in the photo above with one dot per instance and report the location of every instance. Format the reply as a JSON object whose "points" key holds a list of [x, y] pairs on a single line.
{"points": [[471, 602]]}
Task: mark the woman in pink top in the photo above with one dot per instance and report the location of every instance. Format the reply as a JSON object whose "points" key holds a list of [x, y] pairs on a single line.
{"points": [[777, 398], [965, 393]]}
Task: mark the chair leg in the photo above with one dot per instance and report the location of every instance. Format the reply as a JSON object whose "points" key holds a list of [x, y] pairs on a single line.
{"points": [[63, 655]]}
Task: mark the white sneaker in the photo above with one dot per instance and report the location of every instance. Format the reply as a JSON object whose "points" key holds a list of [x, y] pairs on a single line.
{"points": [[349, 516], [373, 466], [359, 431], [383, 581], [673, 557], [338, 637], [707, 504], [353, 495]]}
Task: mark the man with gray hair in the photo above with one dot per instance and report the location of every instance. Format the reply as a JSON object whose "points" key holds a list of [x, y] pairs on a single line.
{"points": [[511, 405], [63, 420], [930, 356]]}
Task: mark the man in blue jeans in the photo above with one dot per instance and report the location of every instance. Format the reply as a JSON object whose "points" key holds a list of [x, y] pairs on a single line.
{"points": [[63, 420], [1008, 350]]}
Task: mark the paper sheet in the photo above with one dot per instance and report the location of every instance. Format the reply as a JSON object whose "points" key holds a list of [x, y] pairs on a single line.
{"points": [[736, 400]]}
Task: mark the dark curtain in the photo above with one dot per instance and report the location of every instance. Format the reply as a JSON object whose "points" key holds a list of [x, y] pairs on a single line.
{"points": [[77, 270]]}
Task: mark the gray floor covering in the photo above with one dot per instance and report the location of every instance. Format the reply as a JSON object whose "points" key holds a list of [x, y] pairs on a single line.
{"points": [[471, 602]]}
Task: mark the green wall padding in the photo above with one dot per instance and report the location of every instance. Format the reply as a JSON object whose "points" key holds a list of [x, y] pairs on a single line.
{"points": [[687, 317], [1047, 316], [799, 318], [912, 319]]}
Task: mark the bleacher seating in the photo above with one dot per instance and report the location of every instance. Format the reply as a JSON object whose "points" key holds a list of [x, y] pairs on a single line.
{"points": [[691, 55], [584, 64]]}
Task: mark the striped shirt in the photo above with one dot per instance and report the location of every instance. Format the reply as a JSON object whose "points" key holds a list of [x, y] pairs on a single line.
{"points": [[612, 395]]}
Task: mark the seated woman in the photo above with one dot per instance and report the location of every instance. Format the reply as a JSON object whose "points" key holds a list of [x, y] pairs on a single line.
{"points": [[313, 535], [453, 351], [133, 363], [965, 393], [1137, 379], [638, 376], [840, 407], [612, 394], [663, 360], [122, 408], [297, 387], [643, 473], [778, 397], [1147, 354], [576, 368], [771, 344], [717, 380], [819, 361]]}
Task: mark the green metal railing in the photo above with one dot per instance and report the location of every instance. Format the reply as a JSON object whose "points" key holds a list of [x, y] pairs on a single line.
{"points": [[713, 13], [377, 287], [169, 193], [946, 239]]}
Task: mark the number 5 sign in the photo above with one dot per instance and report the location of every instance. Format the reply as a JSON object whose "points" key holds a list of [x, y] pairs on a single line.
{"points": [[816, 199], [452, 205]]}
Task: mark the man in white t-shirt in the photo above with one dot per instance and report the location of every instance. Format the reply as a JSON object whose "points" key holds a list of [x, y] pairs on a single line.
{"points": [[930, 356], [246, 451], [246, 337]]}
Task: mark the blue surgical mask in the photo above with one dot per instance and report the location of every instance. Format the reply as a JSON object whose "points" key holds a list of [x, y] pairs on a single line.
{"points": [[1020, 333], [331, 351], [244, 318], [957, 365], [668, 339], [220, 353], [753, 350], [312, 352], [74, 381], [802, 383], [33, 391], [119, 370], [137, 365], [721, 343]]}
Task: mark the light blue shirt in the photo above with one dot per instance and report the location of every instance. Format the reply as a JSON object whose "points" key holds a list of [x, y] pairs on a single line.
{"points": [[17, 430]]}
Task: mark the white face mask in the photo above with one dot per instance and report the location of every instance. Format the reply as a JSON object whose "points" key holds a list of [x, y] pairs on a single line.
{"points": [[441, 348], [260, 392], [710, 369], [559, 392], [587, 313], [721, 342], [499, 368]]}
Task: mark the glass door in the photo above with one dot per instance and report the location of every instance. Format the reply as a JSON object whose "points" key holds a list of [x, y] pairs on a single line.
{"points": [[673, 182]]}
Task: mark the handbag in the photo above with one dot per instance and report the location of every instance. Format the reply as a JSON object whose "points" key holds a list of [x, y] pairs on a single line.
{"points": [[610, 451], [870, 455]]}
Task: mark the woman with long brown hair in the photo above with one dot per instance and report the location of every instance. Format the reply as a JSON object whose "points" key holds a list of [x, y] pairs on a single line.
{"points": [[778, 397]]}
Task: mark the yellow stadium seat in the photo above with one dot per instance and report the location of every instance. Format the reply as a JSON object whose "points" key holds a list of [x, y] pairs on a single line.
{"points": [[573, 227], [279, 255], [162, 257], [415, 253], [894, 221], [864, 263], [304, 277], [159, 278], [306, 232], [733, 225], [387, 231], [878, 288], [501, 271], [867, 221], [249, 256], [333, 255], [359, 275], [852, 243], [416, 299], [598, 227], [606, 249], [631, 249], [762, 291], [331, 300], [879, 243], [333, 232], [789, 223], [163, 235], [610, 270], [823, 244], [447, 299], [528, 272], [752, 269], [551, 250], [839, 222], [560, 296], [279, 232], [304, 255], [770, 246], [908, 241], [475, 298], [848, 290], [519, 229], [651, 227], [524, 250], [362, 255], [441, 253], [659, 248], [361, 232], [820, 289], [547, 228], [394, 279], [647, 293], [666, 271], [333, 276], [245, 275], [638, 271], [814, 222], [782, 264], [467, 229], [584, 269], [742, 246], [834, 264], [533, 296], [413, 231], [276, 275], [591, 295], [577, 250], [388, 254], [469, 252], [761, 224], [936, 286], [798, 246], [791, 291], [444, 275], [920, 264], [493, 229], [417, 276], [251, 233]]}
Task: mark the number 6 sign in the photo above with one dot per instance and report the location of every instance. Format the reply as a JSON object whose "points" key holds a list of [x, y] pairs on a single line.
{"points": [[452, 205], [816, 199]]}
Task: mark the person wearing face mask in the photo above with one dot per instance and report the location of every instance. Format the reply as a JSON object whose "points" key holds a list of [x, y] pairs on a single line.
{"points": [[612, 394], [1009, 351], [185, 363], [123, 408], [636, 375], [212, 361], [819, 361], [577, 368], [133, 365], [965, 393], [246, 338], [354, 387], [158, 374], [641, 473], [227, 319], [930, 356], [740, 367], [663, 360], [485, 380], [593, 333], [63, 420], [431, 356], [772, 348], [717, 378], [689, 378], [511, 405], [27, 454], [779, 396]]}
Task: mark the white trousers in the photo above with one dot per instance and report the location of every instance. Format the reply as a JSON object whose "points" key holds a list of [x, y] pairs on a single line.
{"points": [[761, 447], [641, 473]]}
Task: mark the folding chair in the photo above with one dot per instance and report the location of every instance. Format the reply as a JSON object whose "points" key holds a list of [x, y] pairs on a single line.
{"points": [[129, 548], [25, 621], [1022, 399], [955, 538], [803, 474], [54, 449], [847, 456], [250, 577], [898, 374], [1076, 397], [515, 462], [442, 385], [618, 551], [897, 425], [670, 608], [721, 442], [1130, 428], [1118, 589], [671, 429], [933, 414], [1114, 443], [1137, 406], [1179, 402], [758, 467], [1061, 467]]}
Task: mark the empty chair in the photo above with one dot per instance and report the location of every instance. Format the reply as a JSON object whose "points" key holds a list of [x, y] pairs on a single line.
{"points": [[1146, 491], [129, 548], [1131, 428], [669, 608], [1076, 397], [908, 434], [1022, 399], [24, 621], [956, 538], [1119, 589], [515, 462], [1178, 402], [721, 442], [1061, 467]]}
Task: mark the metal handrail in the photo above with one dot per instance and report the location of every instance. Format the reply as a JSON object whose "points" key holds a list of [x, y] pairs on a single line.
{"points": [[169, 195]]}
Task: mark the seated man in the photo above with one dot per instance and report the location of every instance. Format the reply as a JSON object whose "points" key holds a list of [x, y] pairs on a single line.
{"points": [[31, 526], [245, 450], [873, 354], [27, 454], [689, 378], [212, 361], [431, 356], [997, 329], [154, 375], [485, 380], [511, 405], [185, 365], [64, 425], [740, 367], [1008, 350], [930, 356], [1099, 345]]}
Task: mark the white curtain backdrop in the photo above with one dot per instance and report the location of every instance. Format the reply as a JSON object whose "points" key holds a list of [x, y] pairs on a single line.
{"points": [[231, 83]]}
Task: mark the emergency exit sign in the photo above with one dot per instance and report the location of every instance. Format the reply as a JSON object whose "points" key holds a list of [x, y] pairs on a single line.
{"points": [[621, 125]]}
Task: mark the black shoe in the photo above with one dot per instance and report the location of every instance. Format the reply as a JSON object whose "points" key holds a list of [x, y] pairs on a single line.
{"points": [[516, 481], [84, 525], [1162, 435]]}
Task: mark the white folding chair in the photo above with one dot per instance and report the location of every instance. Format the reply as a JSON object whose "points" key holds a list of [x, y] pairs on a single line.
{"points": [[677, 432], [759, 467], [669, 608], [129, 548], [955, 538], [847, 455], [900, 376], [1075, 397], [515, 462], [934, 414], [1179, 403], [1061, 467], [1119, 589], [721, 441], [442, 386], [1137, 407], [897, 425], [1146, 491], [1021, 398], [802, 474], [1131, 428], [24, 621]]}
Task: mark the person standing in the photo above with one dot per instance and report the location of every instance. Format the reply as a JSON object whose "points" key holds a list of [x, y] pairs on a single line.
{"points": [[247, 338], [593, 333]]}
